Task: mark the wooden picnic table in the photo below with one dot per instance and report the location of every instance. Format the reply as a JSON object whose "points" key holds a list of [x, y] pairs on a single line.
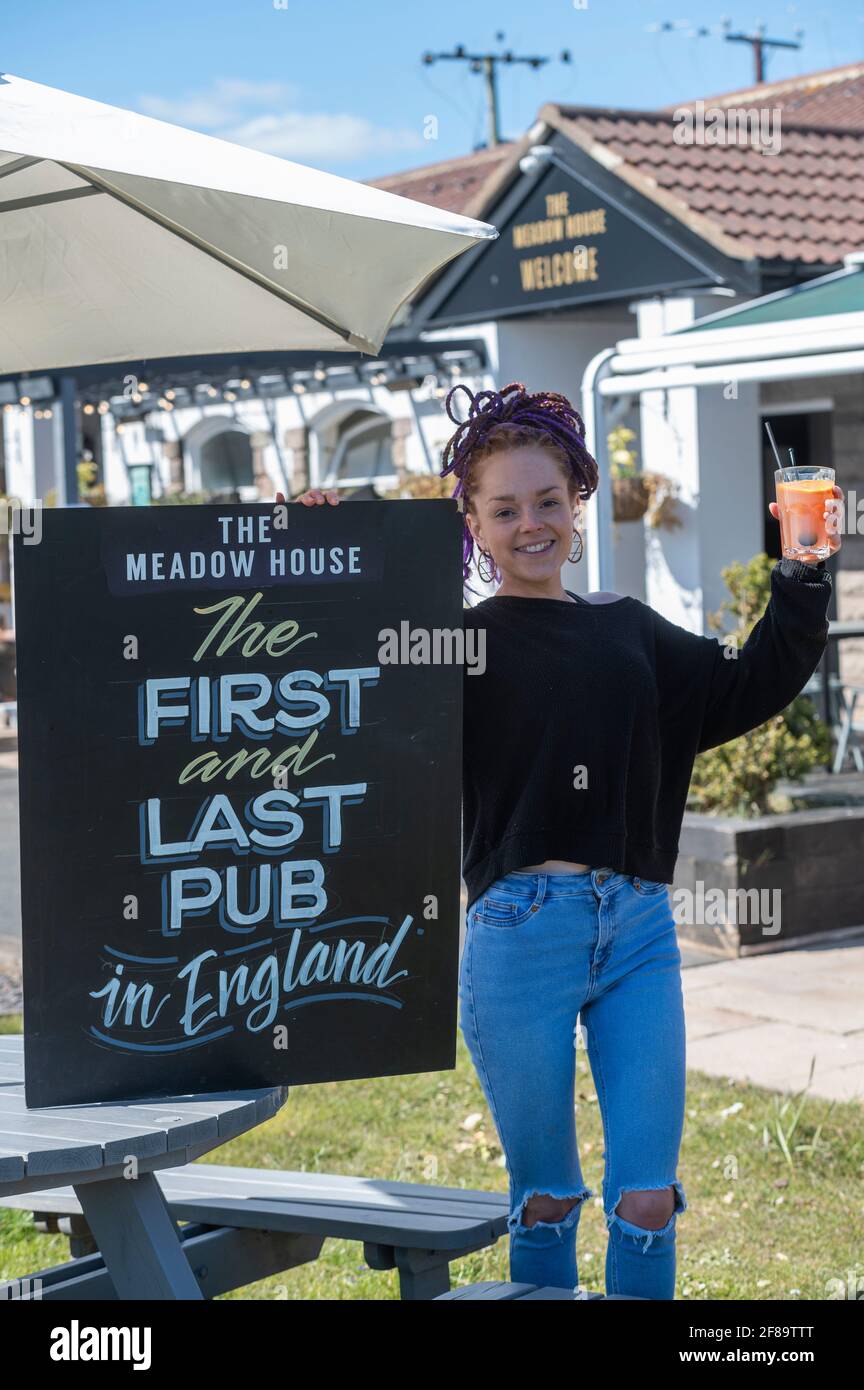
{"points": [[109, 1153]]}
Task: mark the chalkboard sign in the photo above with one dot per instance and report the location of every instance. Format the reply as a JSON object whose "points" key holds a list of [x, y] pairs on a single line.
{"points": [[240, 780]]}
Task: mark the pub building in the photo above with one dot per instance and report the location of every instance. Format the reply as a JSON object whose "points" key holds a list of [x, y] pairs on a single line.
{"points": [[626, 239]]}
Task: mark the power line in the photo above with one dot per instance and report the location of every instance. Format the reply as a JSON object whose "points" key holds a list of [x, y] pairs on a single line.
{"points": [[759, 44], [487, 64]]}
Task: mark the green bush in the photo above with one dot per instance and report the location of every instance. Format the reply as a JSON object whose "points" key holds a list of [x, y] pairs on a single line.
{"points": [[739, 777], [419, 485]]}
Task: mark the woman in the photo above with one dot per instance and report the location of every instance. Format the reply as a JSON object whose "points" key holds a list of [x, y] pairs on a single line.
{"points": [[578, 746]]}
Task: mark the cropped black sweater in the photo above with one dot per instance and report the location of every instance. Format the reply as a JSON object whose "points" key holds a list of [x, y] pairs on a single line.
{"points": [[580, 735]]}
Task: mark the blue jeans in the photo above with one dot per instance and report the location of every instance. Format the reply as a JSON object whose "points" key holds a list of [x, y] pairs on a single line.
{"points": [[541, 949]]}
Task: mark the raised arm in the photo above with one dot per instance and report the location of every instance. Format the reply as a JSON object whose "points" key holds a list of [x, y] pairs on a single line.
{"points": [[729, 691], [777, 660]]}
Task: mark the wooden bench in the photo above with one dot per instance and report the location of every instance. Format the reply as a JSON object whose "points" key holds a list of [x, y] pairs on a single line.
{"points": [[413, 1227], [220, 1258]]}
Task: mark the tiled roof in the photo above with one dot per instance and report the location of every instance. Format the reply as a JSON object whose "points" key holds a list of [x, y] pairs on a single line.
{"points": [[453, 184], [803, 204], [834, 97]]}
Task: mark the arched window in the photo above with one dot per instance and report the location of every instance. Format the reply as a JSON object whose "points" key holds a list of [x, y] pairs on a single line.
{"points": [[226, 462], [356, 449], [218, 458]]}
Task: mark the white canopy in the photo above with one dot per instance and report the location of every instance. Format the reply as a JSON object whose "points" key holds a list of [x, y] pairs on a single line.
{"points": [[810, 330], [124, 238]]}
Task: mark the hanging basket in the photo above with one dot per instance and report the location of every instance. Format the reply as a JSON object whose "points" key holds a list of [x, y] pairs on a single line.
{"points": [[630, 498]]}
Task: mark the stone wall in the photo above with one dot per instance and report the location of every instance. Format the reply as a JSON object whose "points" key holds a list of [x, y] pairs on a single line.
{"points": [[811, 860]]}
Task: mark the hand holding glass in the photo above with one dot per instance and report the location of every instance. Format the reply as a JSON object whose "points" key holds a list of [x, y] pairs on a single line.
{"points": [[808, 527]]}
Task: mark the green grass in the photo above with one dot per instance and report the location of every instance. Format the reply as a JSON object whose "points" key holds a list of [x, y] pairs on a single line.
{"points": [[775, 1185]]}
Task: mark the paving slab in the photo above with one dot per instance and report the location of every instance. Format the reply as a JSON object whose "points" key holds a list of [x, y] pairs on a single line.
{"points": [[800, 1004], [828, 1003], [778, 1056]]}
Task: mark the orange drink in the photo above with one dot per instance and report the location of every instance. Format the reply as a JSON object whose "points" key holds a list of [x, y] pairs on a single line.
{"points": [[801, 497]]}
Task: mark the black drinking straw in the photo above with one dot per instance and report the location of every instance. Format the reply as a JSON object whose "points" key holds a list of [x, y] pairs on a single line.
{"points": [[770, 434]]}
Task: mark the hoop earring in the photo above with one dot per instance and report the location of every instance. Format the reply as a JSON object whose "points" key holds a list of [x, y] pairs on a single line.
{"points": [[487, 578], [574, 559]]}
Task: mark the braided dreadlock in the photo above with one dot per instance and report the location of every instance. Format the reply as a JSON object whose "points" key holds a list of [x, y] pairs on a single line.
{"points": [[507, 419]]}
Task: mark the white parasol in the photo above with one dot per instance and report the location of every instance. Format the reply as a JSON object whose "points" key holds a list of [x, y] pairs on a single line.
{"points": [[125, 238]]}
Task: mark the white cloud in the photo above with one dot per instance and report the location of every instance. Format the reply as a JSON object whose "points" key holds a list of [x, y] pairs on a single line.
{"points": [[267, 116], [223, 102], [297, 135]]}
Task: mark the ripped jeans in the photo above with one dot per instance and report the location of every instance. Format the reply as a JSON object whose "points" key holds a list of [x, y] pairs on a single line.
{"points": [[541, 949]]}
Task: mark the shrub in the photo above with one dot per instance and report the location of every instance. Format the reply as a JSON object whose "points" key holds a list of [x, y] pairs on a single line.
{"points": [[179, 499], [739, 777], [418, 485]]}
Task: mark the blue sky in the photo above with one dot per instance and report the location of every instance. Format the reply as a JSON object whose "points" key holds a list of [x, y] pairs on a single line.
{"points": [[338, 84]]}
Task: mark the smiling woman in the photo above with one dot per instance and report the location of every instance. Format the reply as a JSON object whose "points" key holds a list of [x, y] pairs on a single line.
{"points": [[579, 739], [536, 545], [523, 479]]}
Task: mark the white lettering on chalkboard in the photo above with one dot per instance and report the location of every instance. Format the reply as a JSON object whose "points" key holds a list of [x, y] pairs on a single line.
{"points": [[233, 703], [272, 904]]}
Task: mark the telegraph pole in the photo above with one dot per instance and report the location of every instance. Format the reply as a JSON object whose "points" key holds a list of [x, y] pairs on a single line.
{"points": [[487, 63], [756, 40], [759, 43]]}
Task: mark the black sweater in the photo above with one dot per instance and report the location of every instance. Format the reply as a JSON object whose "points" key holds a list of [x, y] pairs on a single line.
{"points": [[631, 697]]}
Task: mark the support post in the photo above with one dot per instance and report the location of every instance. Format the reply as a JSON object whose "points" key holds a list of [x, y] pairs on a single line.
{"points": [[68, 473], [601, 556]]}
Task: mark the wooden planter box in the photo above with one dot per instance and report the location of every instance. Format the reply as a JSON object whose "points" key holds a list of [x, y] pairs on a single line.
{"points": [[814, 858]]}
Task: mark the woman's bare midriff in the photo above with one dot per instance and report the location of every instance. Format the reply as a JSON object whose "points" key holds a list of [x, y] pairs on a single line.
{"points": [[556, 866]]}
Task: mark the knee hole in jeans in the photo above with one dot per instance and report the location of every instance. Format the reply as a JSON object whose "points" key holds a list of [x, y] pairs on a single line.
{"points": [[649, 1208], [545, 1209]]}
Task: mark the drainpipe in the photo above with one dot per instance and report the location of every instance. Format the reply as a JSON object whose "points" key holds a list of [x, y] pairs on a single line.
{"points": [[600, 545], [67, 472]]}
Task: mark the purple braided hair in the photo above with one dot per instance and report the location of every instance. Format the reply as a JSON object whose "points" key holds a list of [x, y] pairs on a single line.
{"points": [[547, 415]]}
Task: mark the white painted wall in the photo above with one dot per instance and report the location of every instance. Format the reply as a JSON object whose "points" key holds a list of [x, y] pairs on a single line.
{"points": [[710, 445], [731, 512], [552, 354], [42, 480], [114, 473], [18, 426]]}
